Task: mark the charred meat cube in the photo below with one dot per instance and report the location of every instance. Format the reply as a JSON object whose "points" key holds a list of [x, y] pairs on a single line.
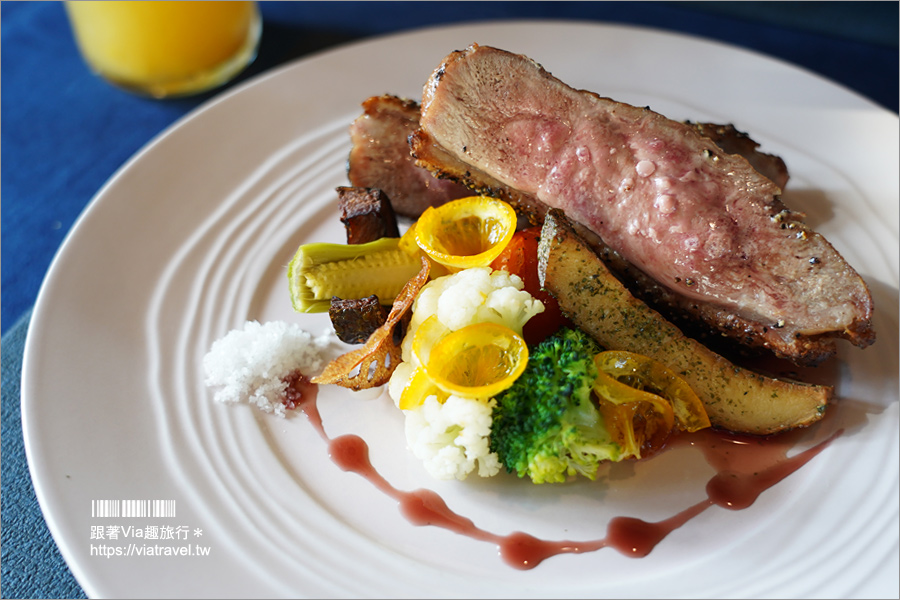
{"points": [[354, 320], [367, 214]]}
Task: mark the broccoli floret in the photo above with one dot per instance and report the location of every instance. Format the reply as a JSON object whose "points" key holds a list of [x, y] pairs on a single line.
{"points": [[546, 425]]}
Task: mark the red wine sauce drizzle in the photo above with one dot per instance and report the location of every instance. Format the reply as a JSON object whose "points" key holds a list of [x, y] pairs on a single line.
{"points": [[745, 467]]}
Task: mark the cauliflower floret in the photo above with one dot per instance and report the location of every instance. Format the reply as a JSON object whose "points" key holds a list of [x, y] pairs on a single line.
{"points": [[481, 295], [452, 438], [476, 295]]}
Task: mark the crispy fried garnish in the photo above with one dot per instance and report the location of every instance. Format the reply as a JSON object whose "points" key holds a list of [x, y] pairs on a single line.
{"points": [[372, 365]]}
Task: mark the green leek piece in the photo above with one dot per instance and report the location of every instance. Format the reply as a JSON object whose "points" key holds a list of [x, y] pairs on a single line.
{"points": [[320, 271]]}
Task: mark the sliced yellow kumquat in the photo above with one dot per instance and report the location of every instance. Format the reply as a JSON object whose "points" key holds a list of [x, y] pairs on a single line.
{"points": [[642, 373], [429, 333], [477, 361], [468, 232], [419, 387], [642, 400]]}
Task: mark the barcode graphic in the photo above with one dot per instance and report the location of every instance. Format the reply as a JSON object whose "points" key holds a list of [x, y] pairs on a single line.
{"points": [[132, 508]]}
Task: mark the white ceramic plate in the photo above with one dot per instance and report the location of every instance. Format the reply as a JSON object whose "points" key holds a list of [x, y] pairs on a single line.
{"points": [[191, 238]]}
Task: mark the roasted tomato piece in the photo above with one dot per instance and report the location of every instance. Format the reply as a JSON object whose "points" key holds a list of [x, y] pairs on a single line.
{"points": [[520, 258]]}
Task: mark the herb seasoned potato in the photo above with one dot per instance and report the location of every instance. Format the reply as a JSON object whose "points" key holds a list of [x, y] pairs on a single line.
{"points": [[735, 398]]}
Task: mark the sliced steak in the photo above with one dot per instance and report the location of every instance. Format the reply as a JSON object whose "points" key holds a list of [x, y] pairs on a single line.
{"points": [[380, 158], [699, 229]]}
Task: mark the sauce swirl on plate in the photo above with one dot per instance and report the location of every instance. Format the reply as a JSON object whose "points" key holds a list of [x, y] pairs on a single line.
{"points": [[745, 466]]}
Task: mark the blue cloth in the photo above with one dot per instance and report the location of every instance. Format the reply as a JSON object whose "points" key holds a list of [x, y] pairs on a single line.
{"points": [[32, 564], [65, 132]]}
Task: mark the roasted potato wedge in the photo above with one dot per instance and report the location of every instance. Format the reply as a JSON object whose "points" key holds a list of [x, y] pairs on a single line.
{"points": [[735, 398]]}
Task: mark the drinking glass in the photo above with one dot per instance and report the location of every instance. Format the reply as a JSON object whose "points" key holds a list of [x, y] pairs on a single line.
{"points": [[166, 49]]}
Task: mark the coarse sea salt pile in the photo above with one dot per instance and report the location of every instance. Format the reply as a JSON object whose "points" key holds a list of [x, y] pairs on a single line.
{"points": [[249, 364]]}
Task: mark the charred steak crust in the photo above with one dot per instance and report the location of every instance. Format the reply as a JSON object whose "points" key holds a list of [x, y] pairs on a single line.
{"points": [[501, 124], [732, 141]]}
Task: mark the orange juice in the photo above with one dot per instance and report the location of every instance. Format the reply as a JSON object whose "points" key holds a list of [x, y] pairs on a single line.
{"points": [[166, 48]]}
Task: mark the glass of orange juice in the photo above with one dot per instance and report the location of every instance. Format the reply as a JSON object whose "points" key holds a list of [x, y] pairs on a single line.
{"points": [[165, 49]]}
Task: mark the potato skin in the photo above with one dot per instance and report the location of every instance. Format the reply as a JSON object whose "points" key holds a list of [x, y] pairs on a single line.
{"points": [[735, 398]]}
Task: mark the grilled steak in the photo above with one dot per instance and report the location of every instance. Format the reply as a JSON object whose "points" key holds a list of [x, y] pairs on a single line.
{"points": [[700, 230], [380, 158]]}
